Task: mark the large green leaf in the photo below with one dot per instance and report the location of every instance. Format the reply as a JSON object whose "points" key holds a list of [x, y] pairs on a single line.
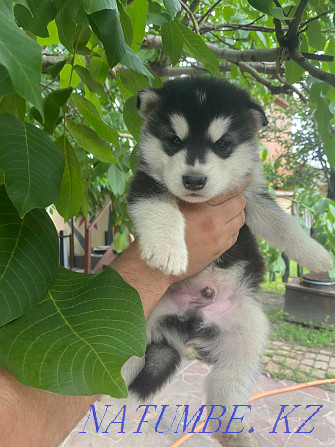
{"points": [[78, 337], [92, 117], [91, 142], [6, 85], [315, 37], [28, 258], [71, 191], [137, 12], [21, 56], [266, 6], [293, 71], [13, 104], [99, 68], [91, 6], [114, 43], [32, 164], [172, 6], [172, 41], [92, 84], [116, 179], [52, 105], [42, 12], [131, 117], [133, 82], [196, 47]]}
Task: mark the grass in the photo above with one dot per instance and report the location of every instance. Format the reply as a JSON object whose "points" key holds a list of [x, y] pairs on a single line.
{"points": [[303, 334]]}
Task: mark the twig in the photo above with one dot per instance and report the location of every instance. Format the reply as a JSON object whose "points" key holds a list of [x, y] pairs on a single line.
{"points": [[275, 89], [209, 11], [191, 16]]}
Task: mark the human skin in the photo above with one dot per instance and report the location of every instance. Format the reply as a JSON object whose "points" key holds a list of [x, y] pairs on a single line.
{"points": [[34, 418]]}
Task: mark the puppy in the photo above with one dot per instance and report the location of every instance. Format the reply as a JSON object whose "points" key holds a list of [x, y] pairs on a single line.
{"points": [[199, 140]]}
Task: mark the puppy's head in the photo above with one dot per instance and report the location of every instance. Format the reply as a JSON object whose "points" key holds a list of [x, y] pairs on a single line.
{"points": [[199, 136]]}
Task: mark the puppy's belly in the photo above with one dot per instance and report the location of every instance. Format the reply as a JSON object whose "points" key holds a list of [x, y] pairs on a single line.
{"points": [[208, 294]]}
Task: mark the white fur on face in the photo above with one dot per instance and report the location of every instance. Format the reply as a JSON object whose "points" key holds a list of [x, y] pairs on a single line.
{"points": [[180, 125], [223, 175], [218, 127]]}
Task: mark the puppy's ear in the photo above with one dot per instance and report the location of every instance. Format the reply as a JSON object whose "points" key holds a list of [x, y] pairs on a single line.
{"points": [[258, 116], [147, 100]]}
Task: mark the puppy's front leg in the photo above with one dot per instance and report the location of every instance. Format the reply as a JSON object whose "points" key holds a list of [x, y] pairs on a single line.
{"points": [[266, 219], [159, 225]]}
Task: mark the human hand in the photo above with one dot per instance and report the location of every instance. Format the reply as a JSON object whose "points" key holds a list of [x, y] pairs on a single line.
{"points": [[212, 228]]}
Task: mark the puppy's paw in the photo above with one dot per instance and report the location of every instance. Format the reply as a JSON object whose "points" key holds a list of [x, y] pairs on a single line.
{"points": [[316, 258], [244, 439], [168, 255]]}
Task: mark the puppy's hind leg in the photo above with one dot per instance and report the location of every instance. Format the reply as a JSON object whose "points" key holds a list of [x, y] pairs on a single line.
{"points": [[236, 356]]}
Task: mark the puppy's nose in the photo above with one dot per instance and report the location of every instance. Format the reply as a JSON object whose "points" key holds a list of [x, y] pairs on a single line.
{"points": [[194, 182]]}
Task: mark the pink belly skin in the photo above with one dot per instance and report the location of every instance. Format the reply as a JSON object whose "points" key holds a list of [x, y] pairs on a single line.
{"points": [[186, 295]]}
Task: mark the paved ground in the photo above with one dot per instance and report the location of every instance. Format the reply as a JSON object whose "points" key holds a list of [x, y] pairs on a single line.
{"points": [[186, 389]]}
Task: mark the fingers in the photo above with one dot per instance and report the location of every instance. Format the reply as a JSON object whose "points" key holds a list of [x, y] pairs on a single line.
{"points": [[224, 197], [230, 208]]}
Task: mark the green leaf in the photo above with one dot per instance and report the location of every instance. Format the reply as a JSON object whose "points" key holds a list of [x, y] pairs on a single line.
{"points": [[196, 47], [2, 178], [42, 12], [6, 85], [91, 142], [158, 18], [133, 82], [28, 258], [78, 337], [172, 6], [91, 6], [293, 72], [86, 77], [116, 178], [13, 104], [32, 164], [71, 191], [315, 37], [127, 26], [172, 42], [68, 77], [265, 6], [91, 115], [99, 68], [66, 28], [131, 117], [22, 58], [52, 104], [53, 38], [121, 240], [114, 43], [137, 12], [55, 69]]}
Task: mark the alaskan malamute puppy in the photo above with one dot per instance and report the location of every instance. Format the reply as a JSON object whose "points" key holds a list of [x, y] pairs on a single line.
{"points": [[199, 140]]}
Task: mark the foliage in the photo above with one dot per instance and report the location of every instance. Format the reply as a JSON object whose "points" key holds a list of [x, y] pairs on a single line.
{"points": [[69, 74], [303, 334], [322, 210]]}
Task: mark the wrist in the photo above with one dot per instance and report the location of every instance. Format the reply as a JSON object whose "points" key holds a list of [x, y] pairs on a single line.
{"points": [[151, 284]]}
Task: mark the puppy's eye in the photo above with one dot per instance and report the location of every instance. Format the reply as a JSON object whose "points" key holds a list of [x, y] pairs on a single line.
{"points": [[221, 142], [175, 141]]}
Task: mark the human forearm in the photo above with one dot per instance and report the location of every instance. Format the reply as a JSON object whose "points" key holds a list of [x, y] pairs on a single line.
{"points": [[34, 418]]}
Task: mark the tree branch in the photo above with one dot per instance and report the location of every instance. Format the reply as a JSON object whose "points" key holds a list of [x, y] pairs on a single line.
{"points": [[191, 16], [274, 89], [292, 42]]}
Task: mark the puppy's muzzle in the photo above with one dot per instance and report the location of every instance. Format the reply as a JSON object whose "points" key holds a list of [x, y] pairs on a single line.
{"points": [[194, 182]]}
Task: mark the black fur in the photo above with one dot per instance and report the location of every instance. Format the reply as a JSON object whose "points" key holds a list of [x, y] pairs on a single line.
{"points": [[161, 362]]}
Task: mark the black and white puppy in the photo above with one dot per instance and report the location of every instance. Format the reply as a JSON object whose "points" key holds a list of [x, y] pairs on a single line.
{"points": [[199, 140]]}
